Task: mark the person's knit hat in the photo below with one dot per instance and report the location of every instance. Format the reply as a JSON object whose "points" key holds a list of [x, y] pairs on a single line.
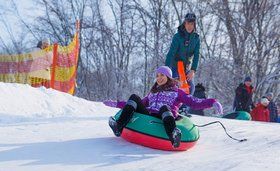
{"points": [[269, 95], [46, 40], [248, 78], [164, 70], [190, 17], [264, 101]]}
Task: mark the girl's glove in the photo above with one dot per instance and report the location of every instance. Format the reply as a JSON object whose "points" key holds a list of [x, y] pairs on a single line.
{"points": [[218, 108]]}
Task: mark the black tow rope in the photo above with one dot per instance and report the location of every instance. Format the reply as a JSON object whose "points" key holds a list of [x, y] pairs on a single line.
{"points": [[239, 140]]}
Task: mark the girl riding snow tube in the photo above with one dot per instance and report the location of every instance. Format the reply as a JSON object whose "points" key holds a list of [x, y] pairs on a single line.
{"points": [[163, 102]]}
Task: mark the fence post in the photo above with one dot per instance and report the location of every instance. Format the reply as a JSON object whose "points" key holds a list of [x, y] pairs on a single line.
{"points": [[55, 46], [77, 49]]}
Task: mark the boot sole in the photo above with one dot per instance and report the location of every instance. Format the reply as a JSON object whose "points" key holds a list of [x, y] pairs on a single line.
{"points": [[113, 126], [177, 141]]}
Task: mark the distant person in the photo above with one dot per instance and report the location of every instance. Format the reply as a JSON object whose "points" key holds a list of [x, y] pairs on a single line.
{"points": [[40, 68], [199, 93], [43, 44], [261, 112], [278, 113], [243, 96], [273, 111]]}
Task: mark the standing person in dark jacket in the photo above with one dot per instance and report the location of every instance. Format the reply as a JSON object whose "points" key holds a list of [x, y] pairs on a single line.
{"points": [[243, 96], [201, 94], [278, 113], [273, 111], [185, 47]]}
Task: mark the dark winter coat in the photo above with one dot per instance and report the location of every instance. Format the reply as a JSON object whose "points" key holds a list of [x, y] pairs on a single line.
{"points": [[243, 98], [260, 113], [273, 111], [184, 47], [199, 93]]}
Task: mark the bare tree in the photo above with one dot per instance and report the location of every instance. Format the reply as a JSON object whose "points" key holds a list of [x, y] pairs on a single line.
{"points": [[13, 42], [121, 47]]}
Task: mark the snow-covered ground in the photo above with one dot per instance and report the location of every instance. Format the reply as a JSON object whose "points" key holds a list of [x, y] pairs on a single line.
{"points": [[42, 129]]}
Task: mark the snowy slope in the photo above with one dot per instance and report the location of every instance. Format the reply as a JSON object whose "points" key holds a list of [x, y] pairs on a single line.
{"points": [[42, 129]]}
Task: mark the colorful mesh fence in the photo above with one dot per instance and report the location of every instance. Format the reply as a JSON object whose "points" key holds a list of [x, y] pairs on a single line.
{"points": [[54, 67]]}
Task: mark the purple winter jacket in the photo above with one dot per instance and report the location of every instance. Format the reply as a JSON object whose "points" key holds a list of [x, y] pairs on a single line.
{"points": [[174, 99]]}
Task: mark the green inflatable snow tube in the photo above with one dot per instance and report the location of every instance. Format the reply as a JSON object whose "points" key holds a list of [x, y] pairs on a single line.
{"points": [[149, 131], [239, 115]]}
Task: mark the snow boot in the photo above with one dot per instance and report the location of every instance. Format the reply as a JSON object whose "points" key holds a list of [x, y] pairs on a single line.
{"points": [[185, 112], [176, 138], [115, 127]]}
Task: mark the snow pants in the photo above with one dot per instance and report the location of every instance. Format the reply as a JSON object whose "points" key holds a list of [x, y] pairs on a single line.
{"points": [[134, 104]]}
